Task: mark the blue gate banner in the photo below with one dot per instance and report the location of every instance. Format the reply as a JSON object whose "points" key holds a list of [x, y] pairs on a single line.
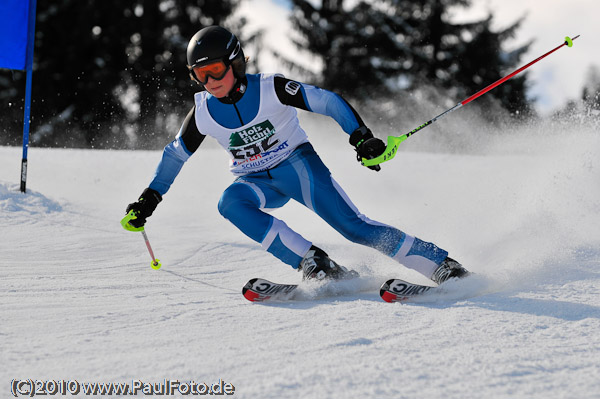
{"points": [[14, 18]]}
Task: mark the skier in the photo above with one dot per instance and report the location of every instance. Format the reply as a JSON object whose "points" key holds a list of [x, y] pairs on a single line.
{"points": [[254, 118]]}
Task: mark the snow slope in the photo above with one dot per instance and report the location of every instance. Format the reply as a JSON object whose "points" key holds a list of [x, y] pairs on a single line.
{"points": [[78, 299]]}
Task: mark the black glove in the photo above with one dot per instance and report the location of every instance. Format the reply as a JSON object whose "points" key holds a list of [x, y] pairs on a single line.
{"points": [[144, 207], [367, 146]]}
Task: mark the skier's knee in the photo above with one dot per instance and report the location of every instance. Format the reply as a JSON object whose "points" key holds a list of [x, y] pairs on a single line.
{"points": [[382, 238], [236, 198], [354, 233]]}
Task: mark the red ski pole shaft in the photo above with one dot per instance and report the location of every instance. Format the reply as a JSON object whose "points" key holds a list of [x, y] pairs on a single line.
{"points": [[155, 262], [148, 245], [394, 142], [568, 42]]}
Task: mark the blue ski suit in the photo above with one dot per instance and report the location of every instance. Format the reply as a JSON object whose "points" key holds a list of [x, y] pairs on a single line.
{"points": [[274, 162]]}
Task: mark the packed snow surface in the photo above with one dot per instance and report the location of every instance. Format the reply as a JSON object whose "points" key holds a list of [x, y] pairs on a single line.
{"points": [[79, 301]]}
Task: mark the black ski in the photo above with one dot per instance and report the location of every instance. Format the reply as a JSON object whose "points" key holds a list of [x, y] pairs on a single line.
{"points": [[396, 290], [260, 290]]}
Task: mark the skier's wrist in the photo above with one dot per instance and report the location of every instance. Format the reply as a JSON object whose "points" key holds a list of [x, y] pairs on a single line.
{"points": [[366, 145], [151, 197], [144, 206], [359, 136]]}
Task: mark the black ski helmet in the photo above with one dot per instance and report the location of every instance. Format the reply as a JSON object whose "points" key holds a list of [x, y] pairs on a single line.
{"points": [[215, 43]]}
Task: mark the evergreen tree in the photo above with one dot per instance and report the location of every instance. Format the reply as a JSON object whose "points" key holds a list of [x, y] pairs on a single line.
{"points": [[482, 61], [387, 45], [104, 67], [591, 91], [363, 48]]}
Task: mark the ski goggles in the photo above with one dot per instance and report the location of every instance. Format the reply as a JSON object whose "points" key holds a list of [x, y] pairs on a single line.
{"points": [[215, 70]]}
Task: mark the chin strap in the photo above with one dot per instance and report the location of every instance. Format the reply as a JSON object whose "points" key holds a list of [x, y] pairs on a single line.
{"points": [[237, 91]]}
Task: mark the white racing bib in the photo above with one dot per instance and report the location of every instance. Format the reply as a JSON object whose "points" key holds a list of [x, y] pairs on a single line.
{"points": [[263, 142]]}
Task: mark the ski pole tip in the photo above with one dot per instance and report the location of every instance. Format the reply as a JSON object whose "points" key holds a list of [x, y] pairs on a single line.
{"points": [[568, 41], [155, 264]]}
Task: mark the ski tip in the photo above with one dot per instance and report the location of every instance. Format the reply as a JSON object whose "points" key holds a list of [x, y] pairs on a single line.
{"points": [[388, 296], [261, 290], [385, 294], [251, 282], [251, 295], [248, 293], [397, 290]]}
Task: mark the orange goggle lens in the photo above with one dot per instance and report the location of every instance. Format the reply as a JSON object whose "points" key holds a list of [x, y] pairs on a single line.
{"points": [[215, 70]]}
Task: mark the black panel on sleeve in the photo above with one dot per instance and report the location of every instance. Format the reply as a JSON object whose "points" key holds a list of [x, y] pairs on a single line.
{"points": [[190, 135], [289, 92]]}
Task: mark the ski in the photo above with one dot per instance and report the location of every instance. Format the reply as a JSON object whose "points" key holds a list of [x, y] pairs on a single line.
{"points": [[396, 290], [261, 290]]}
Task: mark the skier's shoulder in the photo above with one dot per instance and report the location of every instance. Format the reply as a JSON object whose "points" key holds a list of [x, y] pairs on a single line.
{"points": [[201, 98], [268, 81], [269, 78]]}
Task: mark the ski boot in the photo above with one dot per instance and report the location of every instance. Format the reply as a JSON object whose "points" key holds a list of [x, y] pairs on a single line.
{"points": [[448, 269], [316, 265]]}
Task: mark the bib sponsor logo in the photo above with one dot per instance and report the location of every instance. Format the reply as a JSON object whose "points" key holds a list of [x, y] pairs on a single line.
{"points": [[253, 141], [292, 88], [261, 159]]}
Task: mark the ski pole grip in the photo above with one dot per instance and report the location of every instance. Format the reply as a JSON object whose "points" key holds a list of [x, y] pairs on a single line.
{"points": [[389, 153], [125, 222]]}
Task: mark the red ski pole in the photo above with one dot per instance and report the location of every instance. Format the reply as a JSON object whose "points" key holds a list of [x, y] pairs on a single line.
{"points": [[155, 262], [394, 142]]}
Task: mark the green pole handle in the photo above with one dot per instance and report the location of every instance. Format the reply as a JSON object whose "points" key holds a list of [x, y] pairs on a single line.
{"points": [[390, 151], [125, 222]]}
